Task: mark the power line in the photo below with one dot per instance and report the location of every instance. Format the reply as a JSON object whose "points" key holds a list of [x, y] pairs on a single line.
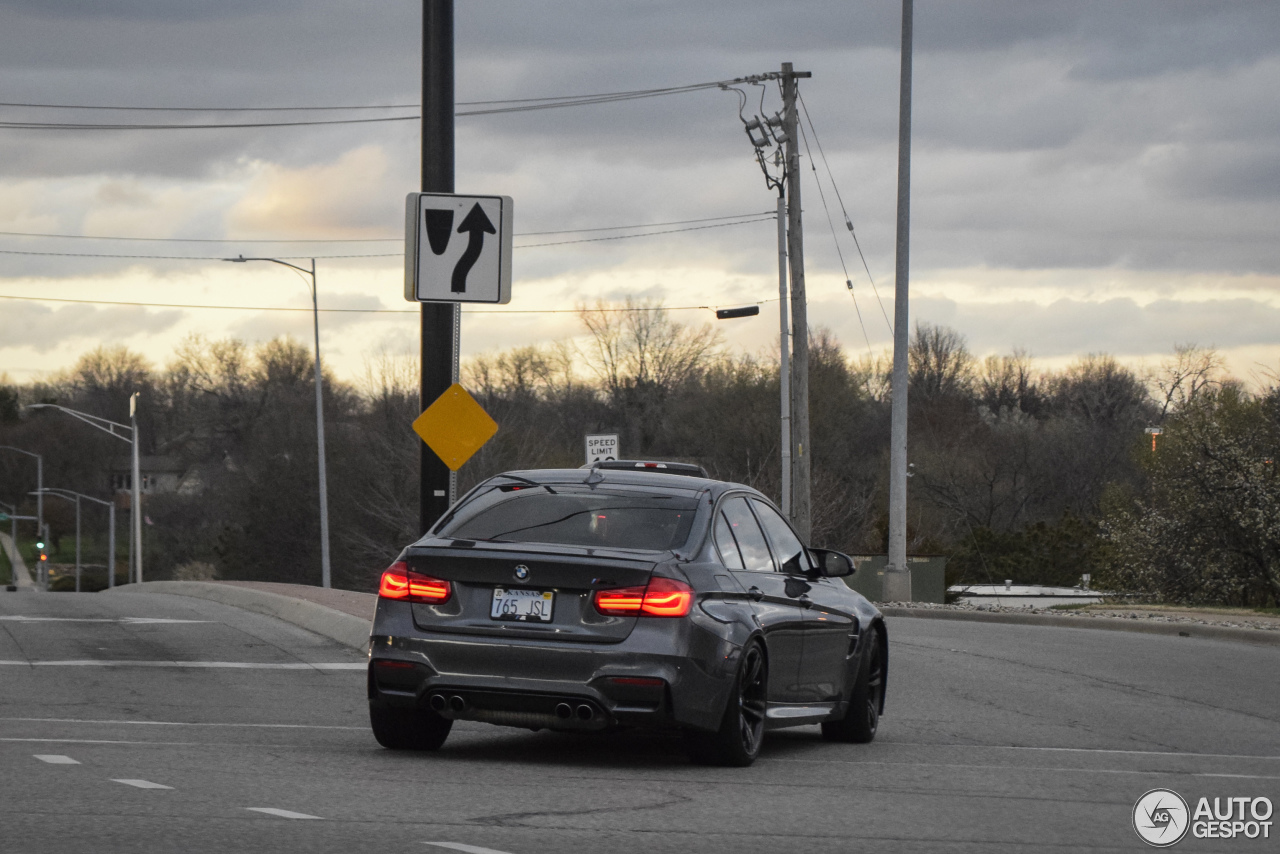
{"points": [[180, 257], [649, 225], [369, 254], [839, 254], [333, 107], [635, 93], [90, 126], [413, 311], [509, 106], [358, 239], [847, 221], [647, 234]]}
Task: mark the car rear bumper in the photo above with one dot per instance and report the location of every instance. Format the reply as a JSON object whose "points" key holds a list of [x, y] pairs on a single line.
{"points": [[666, 674]]}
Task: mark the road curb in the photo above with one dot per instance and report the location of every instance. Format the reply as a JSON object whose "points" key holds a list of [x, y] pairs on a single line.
{"points": [[1110, 624], [346, 629]]}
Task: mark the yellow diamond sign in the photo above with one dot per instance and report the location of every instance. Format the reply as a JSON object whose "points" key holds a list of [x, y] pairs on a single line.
{"points": [[455, 426]]}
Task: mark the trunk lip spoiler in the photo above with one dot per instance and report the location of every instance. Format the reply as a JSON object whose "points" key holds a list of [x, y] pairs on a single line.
{"points": [[538, 551]]}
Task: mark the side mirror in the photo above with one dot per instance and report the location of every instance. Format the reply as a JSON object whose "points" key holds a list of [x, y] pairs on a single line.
{"points": [[833, 564]]}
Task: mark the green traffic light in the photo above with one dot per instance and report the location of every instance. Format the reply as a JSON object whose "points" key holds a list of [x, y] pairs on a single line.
{"points": [[39, 545]]}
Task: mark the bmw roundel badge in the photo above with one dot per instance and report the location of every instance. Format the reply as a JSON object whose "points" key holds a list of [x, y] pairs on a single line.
{"points": [[522, 572]]}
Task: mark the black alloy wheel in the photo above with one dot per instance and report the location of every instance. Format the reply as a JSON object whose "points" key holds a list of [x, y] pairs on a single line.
{"points": [[737, 741], [862, 718], [408, 729]]}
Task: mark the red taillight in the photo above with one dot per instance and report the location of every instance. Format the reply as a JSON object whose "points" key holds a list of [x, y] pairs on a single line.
{"points": [[399, 583], [624, 600], [666, 597], [662, 597]]}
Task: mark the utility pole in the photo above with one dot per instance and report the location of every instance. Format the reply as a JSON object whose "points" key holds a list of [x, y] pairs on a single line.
{"points": [[784, 369], [897, 578], [440, 321], [801, 516]]}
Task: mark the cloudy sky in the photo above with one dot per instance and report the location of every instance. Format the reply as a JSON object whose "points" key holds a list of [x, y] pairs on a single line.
{"points": [[1087, 176]]}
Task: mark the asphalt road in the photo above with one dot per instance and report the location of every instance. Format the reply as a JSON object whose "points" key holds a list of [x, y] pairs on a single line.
{"points": [[997, 738]]}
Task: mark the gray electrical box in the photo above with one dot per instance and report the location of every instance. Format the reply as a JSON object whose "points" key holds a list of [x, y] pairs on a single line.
{"points": [[928, 577]]}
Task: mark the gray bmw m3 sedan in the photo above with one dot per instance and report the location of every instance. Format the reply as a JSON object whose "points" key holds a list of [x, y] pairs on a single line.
{"points": [[627, 595]]}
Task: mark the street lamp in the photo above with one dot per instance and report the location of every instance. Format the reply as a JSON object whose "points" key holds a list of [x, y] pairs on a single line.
{"points": [[108, 426], [39, 485], [111, 530], [324, 485]]}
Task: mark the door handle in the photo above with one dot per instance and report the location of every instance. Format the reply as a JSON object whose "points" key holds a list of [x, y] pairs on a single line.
{"points": [[804, 600], [755, 593]]}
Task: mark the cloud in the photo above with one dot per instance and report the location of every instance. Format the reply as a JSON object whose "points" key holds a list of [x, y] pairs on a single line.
{"points": [[263, 326], [1122, 327], [42, 328], [352, 196]]}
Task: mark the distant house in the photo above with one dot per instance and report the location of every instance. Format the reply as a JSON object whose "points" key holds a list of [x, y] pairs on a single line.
{"points": [[159, 475]]}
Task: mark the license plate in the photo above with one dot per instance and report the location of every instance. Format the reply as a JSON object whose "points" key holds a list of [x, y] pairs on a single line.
{"points": [[522, 606]]}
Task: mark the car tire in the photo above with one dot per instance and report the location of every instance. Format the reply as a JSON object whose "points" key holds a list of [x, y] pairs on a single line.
{"points": [[862, 717], [408, 729], [737, 742]]}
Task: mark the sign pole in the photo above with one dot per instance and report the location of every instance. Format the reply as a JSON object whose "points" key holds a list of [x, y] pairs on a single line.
{"points": [[439, 320]]}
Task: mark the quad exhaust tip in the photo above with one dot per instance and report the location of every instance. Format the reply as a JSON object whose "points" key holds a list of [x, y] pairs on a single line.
{"points": [[458, 704]]}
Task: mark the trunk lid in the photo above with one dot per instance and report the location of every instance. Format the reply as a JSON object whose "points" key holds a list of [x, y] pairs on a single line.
{"points": [[570, 574]]}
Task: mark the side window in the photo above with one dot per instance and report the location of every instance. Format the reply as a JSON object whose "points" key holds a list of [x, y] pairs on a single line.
{"points": [[787, 548], [751, 542], [728, 547]]}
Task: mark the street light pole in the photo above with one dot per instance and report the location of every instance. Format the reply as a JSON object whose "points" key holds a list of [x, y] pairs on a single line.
{"points": [[324, 481], [136, 500], [106, 425], [111, 529]]}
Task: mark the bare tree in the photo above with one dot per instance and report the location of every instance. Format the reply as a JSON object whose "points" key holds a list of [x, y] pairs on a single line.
{"points": [[1008, 383], [637, 344], [1180, 380], [641, 356], [939, 363]]}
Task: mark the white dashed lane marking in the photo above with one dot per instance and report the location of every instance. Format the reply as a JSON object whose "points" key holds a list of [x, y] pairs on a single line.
{"points": [[56, 759], [142, 784], [282, 813], [462, 846]]}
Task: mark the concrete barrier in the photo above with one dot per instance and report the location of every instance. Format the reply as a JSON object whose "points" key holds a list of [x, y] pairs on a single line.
{"points": [[1112, 624]]}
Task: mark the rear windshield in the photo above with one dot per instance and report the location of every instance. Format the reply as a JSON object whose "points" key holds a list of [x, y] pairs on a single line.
{"points": [[577, 516]]}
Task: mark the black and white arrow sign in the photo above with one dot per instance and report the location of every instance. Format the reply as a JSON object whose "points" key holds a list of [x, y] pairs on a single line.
{"points": [[458, 248]]}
